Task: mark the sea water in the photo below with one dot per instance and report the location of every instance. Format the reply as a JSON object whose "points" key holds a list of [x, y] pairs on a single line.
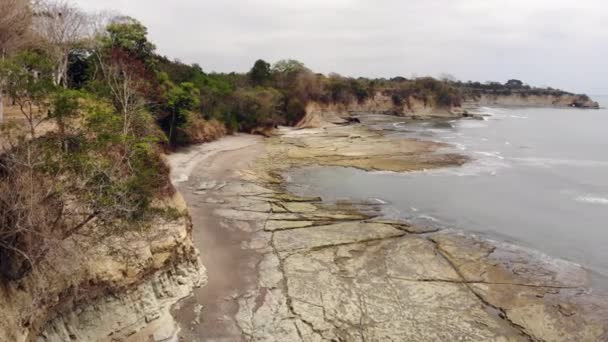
{"points": [[538, 177]]}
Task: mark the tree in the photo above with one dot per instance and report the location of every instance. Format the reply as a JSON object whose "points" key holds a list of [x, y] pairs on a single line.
{"points": [[63, 27], [28, 80], [125, 80], [514, 84], [65, 107], [130, 35], [181, 100], [15, 20], [260, 73], [288, 66]]}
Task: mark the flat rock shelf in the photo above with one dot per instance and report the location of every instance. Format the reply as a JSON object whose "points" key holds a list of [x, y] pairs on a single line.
{"points": [[289, 268]]}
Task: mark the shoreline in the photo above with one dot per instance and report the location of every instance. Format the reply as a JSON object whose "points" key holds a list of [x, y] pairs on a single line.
{"points": [[289, 236]]}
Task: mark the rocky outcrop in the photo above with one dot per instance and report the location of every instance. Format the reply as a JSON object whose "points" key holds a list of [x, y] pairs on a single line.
{"points": [[340, 272], [92, 287], [125, 313], [358, 147], [565, 100]]}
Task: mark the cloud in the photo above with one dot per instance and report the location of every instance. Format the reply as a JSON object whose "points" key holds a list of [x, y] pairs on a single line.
{"points": [[545, 42]]}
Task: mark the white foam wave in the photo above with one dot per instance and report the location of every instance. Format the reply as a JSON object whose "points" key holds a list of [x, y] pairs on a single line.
{"points": [[428, 217], [493, 154], [548, 162], [482, 166], [379, 201], [591, 199], [488, 111], [460, 146], [472, 124]]}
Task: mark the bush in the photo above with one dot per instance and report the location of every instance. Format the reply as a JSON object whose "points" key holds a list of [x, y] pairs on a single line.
{"points": [[199, 130]]}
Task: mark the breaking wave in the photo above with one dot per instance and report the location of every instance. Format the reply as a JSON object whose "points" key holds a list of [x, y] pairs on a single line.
{"points": [[548, 162], [591, 199]]}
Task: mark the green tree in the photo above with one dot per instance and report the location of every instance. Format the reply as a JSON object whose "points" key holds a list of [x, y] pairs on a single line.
{"points": [[514, 84], [65, 107], [288, 66], [181, 100], [260, 73], [28, 80], [130, 35]]}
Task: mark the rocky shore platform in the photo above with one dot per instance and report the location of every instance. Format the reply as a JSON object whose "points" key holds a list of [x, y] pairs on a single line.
{"points": [[289, 268]]}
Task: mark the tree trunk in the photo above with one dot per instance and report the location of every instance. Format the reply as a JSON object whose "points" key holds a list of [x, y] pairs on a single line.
{"points": [[61, 72], [171, 127], [2, 53], [1, 107]]}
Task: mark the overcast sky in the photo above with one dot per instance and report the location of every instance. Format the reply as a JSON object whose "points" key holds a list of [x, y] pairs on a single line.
{"points": [[559, 43]]}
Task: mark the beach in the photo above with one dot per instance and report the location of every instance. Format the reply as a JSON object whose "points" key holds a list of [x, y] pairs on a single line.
{"points": [[287, 267]]}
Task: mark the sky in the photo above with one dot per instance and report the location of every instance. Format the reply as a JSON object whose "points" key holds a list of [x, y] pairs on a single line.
{"points": [[557, 43]]}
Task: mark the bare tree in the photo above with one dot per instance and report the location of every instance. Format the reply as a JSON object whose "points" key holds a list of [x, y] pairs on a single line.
{"points": [[99, 21], [37, 208], [15, 23], [63, 27], [125, 78]]}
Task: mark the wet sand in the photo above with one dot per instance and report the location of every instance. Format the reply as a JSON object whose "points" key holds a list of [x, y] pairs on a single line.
{"points": [[229, 266]]}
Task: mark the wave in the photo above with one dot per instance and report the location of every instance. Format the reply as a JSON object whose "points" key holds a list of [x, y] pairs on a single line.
{"points": [[494, 154], [379, 201], [429, 218], [488, 111], [591, 199], [482, 166], [548, 162], [472, 124], [460, 146]]}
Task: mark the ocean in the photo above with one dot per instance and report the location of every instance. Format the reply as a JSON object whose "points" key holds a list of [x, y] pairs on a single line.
{"points": [[538, 178]]}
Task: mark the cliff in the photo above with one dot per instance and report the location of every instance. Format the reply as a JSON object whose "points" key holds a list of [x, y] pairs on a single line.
{"points": [[91, 288], [523, 100], [319, 114]]}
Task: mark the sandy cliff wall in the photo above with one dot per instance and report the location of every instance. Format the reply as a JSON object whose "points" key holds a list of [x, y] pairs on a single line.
{"points": [[94, 289], [319, 114], [534, 101]]}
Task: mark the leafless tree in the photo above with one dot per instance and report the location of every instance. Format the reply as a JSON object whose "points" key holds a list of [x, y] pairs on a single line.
{"points": [[63, 27], [125, 78], [15, 21], [35, 208], [99, 21]]}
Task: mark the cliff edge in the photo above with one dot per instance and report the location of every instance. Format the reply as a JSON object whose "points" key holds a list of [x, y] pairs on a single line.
{"points": [[89, 288]]}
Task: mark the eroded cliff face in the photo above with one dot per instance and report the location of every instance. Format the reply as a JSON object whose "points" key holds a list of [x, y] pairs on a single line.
{"points": [[319, 114], [577, 101], [91, 288], [322, 114]]}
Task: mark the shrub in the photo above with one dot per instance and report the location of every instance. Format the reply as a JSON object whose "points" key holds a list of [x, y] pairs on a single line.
{"points": [[199, 130]]}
